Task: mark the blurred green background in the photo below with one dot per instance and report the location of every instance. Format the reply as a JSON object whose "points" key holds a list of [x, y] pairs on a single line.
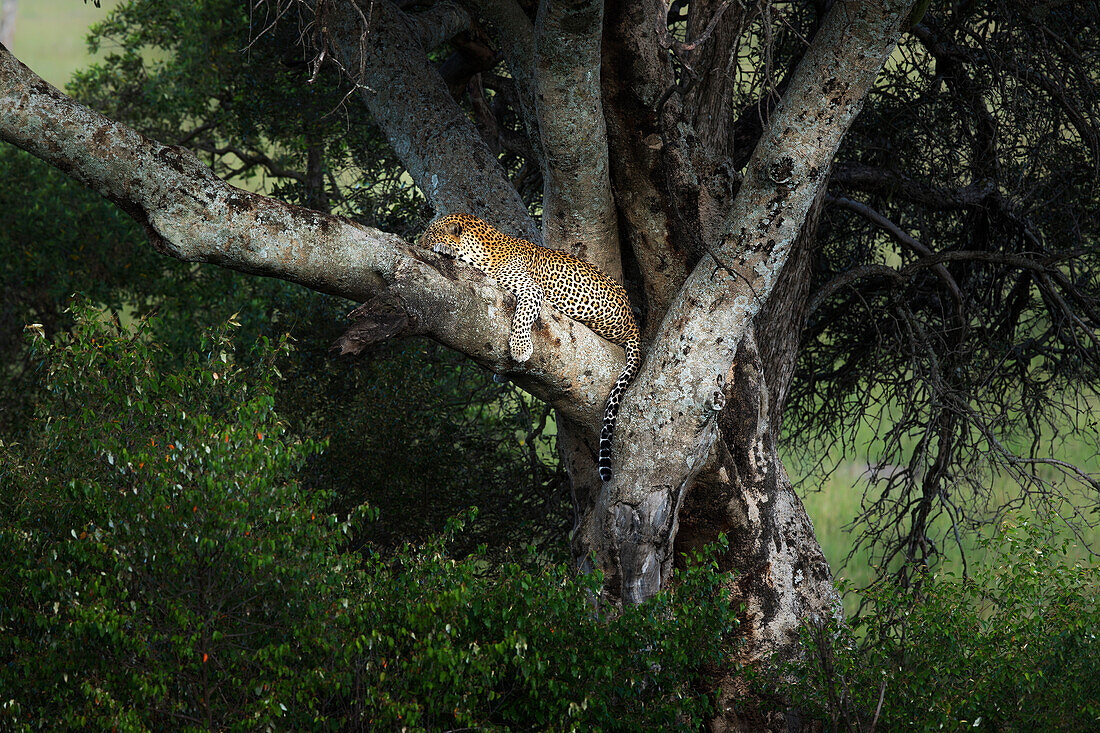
{"points": [[49, 35]]}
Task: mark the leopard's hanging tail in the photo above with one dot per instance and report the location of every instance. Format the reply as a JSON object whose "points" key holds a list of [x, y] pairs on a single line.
{"points": [[614, 400]]}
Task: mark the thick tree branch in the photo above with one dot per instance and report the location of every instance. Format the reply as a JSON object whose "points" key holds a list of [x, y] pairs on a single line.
{"points": [[190, 214], [709, 103], [578, 211], [667, 424], [782, 576], [437, 142], [505, 99]]}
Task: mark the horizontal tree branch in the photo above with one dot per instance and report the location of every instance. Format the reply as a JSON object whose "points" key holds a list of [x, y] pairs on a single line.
{"points": [[849, 277], [192, 215], [1041, 264]]}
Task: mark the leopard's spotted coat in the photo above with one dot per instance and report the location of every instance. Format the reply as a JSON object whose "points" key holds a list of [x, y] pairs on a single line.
{"points": [[533, 274]]}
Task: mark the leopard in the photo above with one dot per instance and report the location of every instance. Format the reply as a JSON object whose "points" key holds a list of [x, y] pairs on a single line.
{"points": [[537, 274]]}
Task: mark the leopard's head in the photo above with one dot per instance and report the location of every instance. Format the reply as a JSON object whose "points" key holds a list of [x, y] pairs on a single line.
{"points": [[456, 235]]}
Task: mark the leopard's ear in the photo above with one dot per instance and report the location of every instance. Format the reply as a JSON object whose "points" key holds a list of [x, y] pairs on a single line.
{"points": [[453, 228]]}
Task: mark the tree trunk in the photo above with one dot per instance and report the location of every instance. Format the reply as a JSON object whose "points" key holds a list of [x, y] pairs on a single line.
{"points": [[776, 567], [668, 423], [721, 262]]}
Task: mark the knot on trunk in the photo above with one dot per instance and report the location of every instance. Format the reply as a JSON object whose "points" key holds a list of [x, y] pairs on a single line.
{"points": [[379, 319]]}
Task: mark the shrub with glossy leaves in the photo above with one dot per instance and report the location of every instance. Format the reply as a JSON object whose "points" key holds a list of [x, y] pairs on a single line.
{"points": [[451, 648], [164, 569]]}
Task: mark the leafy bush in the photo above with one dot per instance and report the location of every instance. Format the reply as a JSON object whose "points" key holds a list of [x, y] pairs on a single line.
{"points": [[1012, 647], [523, 650], [165, 569], [156, 545]]}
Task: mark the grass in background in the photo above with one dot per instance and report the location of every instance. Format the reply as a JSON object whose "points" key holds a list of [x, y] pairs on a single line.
{"points": [[49, 36], [833, 503]]}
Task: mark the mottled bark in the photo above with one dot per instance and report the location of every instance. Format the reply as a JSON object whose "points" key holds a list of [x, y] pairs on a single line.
{"points": [[190, 214], [578, 211], [777, 569], [668, 426], [636, 76]]}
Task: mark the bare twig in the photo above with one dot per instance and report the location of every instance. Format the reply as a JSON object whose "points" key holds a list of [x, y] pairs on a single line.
{"points": [[664, 7]]}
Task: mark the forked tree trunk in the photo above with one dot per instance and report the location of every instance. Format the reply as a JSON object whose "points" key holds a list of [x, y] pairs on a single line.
{"points": [[776, 569], [696, 443], [719, 263]]}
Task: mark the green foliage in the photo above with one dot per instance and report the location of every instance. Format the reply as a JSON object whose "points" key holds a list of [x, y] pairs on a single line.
{"points": [[234, 81], [1013, 647], [44, 245], [163, 564], [45, 255], [453, 649], [165, 569]]}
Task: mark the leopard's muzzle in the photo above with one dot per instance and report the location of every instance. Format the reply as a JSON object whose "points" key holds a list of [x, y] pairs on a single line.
{"points": [[445, 249]]}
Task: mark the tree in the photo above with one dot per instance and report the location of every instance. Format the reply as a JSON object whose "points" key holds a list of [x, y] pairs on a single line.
{"points": [[698, 163]]}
